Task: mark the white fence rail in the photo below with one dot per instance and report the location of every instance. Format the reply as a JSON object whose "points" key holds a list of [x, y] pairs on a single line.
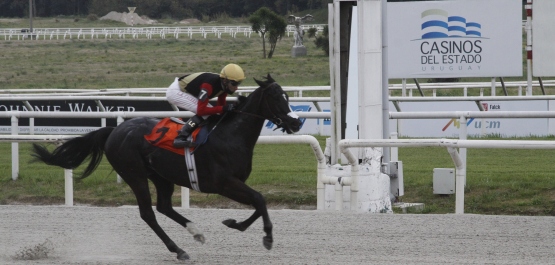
{"points": [[143, 92], [126, 115], [298, 90], [470, 114], [120, 116], [131, 98], [139, 32], [521, 87], [451, 145], [185, 202]]}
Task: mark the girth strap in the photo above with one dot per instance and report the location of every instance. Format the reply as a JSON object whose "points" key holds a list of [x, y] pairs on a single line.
{"points": [[191, 168]]}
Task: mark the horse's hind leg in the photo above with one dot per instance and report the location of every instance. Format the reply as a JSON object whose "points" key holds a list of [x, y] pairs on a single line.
{"points": [[240, 192], [164, 191], [140, 188]]}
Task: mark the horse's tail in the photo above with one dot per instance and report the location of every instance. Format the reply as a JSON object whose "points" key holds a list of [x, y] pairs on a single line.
{"points": [[74, 152]]}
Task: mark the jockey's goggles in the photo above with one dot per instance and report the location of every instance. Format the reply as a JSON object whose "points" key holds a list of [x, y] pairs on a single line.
{"points": [[234, 83]]}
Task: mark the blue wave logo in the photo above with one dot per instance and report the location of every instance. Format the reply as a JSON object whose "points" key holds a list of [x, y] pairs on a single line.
{"points": [[438, 24]]}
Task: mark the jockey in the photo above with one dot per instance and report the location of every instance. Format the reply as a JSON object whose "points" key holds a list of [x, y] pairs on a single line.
{"points": [[193, 91]]}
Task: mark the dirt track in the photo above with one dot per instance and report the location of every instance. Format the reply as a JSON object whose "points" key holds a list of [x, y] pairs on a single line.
{"points": [[94, 235]]}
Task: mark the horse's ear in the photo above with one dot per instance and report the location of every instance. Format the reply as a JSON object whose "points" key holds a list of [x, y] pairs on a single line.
{"points": [[260, 83], [270, 79]]}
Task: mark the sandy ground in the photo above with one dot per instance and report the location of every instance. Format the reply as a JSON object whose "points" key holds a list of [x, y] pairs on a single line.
{"points": [[97, 235], [128, 18]]}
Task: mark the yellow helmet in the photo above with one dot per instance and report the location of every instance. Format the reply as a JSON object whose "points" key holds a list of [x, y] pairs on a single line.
{"points": [[233, 72]]}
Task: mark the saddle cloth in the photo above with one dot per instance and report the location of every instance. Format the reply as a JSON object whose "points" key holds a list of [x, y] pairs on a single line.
{"points": [[163, 134]]}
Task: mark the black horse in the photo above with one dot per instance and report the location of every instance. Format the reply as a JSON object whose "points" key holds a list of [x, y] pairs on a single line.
{"points": [[223, 163]]}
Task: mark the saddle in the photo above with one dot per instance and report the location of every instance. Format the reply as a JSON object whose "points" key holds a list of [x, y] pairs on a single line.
{"points": [[163, 134]]}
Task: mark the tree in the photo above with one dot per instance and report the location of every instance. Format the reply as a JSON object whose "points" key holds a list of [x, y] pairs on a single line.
{"points": [[323, 41], [266, 22]]}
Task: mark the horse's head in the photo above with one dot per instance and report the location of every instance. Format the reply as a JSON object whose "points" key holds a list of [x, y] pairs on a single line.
{"points": [[273, 105]]}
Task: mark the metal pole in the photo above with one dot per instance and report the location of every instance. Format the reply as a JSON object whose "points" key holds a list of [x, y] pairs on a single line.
{"points": [[185, 202], [68, 177], [31, 16], [336, 134], [385, 87], [529, 47], [460, 179], [418, 86], [15, 149], [493, 86]]}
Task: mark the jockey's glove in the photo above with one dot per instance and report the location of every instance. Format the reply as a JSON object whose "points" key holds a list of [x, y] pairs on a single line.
{"points": [[229, 107]]}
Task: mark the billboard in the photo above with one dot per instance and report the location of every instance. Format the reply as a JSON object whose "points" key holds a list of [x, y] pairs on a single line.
{"points": [[441, 39], [74, 126], [449, 128]]}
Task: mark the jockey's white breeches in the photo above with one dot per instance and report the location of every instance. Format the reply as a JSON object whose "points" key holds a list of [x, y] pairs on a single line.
{"points": [[181, 99]]}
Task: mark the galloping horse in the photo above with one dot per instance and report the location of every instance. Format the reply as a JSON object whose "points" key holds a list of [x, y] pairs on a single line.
{"points": [[223, 163]]}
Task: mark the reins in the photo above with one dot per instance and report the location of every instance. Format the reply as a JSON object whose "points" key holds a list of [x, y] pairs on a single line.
{"points": [[211, 130], [277, 121]]}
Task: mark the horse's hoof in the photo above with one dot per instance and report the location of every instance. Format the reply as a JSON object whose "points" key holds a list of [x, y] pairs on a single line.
{"points": [[183, 256], [267, 241], [231, 223], [197, 235], [199, 238]]}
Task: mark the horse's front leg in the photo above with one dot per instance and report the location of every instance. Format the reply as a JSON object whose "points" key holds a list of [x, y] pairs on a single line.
{"points": [[240, 192], [147, 214], [164, 191]]}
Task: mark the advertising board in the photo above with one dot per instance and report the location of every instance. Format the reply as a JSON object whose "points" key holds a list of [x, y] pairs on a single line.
{"points": [[84, 125], [442, 39], [449, 128]]}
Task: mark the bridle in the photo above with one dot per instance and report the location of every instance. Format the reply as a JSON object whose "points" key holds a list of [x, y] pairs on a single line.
{"points": [[275, 119]]}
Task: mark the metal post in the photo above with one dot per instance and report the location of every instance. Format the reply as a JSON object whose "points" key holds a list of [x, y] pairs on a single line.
{"points": [[119, 121], [68, 176], [493, 86], [185, 203], [529, 46], [385, 88], [31, 16], [460, 177], [463, 135], [15, 149]]}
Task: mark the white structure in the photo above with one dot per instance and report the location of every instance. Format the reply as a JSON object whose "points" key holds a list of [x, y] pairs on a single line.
{"points": [[372, 82], [541, 41]]}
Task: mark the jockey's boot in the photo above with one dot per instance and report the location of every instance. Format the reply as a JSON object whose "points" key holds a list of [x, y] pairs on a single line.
{"points": [[181, 139]]}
